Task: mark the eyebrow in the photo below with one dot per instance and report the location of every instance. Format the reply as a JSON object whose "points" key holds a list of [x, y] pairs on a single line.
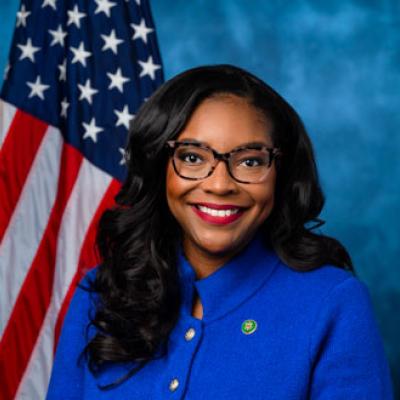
{"points": [[246, 144]]}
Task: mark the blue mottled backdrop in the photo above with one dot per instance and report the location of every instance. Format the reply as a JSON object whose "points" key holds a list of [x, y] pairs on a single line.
{"points": [[338, 64]]}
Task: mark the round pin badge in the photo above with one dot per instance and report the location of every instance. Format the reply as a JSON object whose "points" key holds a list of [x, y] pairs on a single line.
{"points": [[249, 326]]}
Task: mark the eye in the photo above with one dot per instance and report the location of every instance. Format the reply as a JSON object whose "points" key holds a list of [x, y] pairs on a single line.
{"points": [[191, 158], [251, 162], [250, 159]]}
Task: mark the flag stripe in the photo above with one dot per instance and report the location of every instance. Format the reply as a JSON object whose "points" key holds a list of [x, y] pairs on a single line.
{"points": [[88, 257], [31, 305], [7, 112], [29, 221], [88, 191], [16, 157], [50, 200]]}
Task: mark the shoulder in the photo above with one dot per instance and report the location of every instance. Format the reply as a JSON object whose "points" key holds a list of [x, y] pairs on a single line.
{"points": [[322, 297], [318, 283], [84, 298], [67, 373], [80, 310]]}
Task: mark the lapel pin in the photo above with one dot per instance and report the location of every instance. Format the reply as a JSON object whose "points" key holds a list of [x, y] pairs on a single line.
{"points": [[249, 326]]}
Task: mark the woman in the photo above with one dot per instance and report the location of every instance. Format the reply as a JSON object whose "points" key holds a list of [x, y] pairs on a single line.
{"points": [[214, 283]]}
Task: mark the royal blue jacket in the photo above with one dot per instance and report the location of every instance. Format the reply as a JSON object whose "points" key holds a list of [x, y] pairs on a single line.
{"points": [[308, 335]]}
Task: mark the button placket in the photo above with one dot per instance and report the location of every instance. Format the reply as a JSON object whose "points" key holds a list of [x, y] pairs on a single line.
{"points": [[186, 340]]}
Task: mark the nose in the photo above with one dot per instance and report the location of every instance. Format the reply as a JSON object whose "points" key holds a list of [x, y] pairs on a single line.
{"points": [[220, 182]]}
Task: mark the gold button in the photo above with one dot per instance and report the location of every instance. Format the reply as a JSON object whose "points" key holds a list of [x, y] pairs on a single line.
{"points": [[173, 385], [189, 335]]}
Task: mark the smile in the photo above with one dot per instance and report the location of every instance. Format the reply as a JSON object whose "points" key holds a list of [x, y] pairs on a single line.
{"points": [[218, 214]]}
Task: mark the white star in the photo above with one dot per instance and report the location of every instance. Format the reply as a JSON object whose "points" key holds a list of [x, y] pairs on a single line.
{"points": [[87, 91], [63, 71], [104, 6], [141, 31], [122, 151], [28, 50], [51, 3], [6, 71], [149, 68], [64, 107], [123, 117], [111, 42], [117, 80], [80, 54], [74, 17], [138, 2], [91, 130], [22, 15], [58, 36], [37, 88]]}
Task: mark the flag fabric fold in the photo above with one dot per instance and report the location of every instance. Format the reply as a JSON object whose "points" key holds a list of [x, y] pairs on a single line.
{"points": [[78, 71]]}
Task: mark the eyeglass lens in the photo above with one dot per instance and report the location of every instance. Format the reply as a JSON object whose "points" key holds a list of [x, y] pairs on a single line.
{"points": [[249, 165]]}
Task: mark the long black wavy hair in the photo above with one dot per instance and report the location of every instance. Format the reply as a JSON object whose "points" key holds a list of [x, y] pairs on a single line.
{"points": [[138, 240]]}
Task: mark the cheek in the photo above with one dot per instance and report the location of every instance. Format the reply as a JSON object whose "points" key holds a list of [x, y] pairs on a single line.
{"points": [[171, 186], [176, 188], [266, 197]]}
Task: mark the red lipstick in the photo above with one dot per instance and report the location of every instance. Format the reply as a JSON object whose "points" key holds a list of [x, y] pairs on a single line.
{"points": [[217, 219]]}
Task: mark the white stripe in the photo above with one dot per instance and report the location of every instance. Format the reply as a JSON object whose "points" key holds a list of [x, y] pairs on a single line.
{"points": [[28, 222], [86, 196], [7, 112]]}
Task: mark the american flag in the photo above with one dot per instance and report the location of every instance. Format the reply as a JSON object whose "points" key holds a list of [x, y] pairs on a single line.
{"points": [[78, 71]]}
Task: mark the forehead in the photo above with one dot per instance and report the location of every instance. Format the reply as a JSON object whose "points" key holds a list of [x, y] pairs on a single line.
{"points": [[225, 122]]}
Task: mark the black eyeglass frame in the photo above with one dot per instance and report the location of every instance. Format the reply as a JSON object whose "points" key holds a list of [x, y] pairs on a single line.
{"points": [[172, 145]]}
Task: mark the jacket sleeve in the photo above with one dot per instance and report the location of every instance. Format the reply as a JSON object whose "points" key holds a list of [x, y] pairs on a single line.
{"points": [[67, 377], [346, 349]]}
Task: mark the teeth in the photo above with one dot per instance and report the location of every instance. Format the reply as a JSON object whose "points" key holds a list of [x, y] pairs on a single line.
{"points": [[218, 213]]}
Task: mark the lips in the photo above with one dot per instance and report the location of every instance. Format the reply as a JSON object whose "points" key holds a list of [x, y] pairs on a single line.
{"points": [[219, 214]]}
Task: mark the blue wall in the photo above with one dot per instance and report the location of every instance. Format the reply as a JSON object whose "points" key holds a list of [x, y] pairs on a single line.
{"points": [[338, 64]]}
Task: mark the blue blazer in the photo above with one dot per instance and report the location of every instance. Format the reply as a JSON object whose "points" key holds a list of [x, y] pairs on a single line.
{"points": [[268, 332]]}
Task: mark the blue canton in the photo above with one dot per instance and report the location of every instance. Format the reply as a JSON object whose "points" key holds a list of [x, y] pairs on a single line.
{"points": [[85, 66]]}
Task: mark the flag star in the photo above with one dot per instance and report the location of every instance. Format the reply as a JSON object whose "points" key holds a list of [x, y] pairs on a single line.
{"points": [[37, 88], [64, 107], [74, 16], [117, 80], [22, 15], [6, 71], [87, 91], [141, 31], [111, 42], [122, 151], [51, 3], [138, 2], [149, 68], [124, 117], [28, 50], [63, 71], [58, 36], [104, 6], [91, 130], [80, 54]]}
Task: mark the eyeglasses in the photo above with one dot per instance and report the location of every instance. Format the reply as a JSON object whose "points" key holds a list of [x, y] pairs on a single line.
{"points": [[246, 164]]}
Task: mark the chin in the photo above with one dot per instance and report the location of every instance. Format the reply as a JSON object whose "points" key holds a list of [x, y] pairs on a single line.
{"points": [[218, 245]]}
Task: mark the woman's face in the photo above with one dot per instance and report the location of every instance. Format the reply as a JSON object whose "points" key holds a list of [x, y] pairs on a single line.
{"points": [[222, 123]]}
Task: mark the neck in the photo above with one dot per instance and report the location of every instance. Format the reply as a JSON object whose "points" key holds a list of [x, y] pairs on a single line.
{"points": [[205, 263]]}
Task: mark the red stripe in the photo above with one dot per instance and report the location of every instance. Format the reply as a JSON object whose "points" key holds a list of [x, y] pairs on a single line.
{"points": [[22, 330], [17, 154], [88, 256]]}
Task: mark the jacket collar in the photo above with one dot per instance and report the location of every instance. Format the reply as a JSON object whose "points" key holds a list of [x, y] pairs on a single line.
{"points": [[230, 285]]}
